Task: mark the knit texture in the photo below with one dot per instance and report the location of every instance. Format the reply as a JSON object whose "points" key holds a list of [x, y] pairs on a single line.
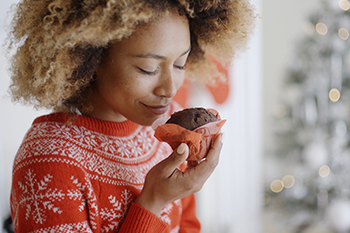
{"points": [[85, 176]]}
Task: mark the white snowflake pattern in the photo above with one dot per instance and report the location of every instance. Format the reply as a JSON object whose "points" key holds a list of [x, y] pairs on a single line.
{"points": [[116, 214], [145, 140], [135, 148], [179, 204], [67, 228], [85, 194], [175, 230], [164, 215], [77, 195], [109, 151], [38, 200], [110, 145], [166, 211], [14, 209]]}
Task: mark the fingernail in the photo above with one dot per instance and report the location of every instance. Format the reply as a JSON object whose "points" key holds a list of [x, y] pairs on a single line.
{"points": [[181, 149], [222, 137]]}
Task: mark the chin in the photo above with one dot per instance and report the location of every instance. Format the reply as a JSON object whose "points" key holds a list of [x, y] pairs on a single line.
{"points": [[148, 120], [145, 122]]}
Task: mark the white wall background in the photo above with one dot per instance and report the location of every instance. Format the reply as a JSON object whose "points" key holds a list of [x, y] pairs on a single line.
{"points": [[231, 201], [15, 120]]}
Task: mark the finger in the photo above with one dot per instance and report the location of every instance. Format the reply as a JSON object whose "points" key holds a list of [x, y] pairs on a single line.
{"points": [[192, 163], [214, 152], [178, 157], [206, 168]]}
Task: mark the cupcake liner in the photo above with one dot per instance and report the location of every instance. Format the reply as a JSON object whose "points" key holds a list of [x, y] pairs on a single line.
{"points": [[198, 140]]}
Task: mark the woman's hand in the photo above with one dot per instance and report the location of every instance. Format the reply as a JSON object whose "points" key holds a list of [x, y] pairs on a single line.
{"points": [[165, 183]]}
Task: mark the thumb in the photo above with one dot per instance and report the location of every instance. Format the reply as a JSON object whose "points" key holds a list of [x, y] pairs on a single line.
{"points": [[175, 159]]}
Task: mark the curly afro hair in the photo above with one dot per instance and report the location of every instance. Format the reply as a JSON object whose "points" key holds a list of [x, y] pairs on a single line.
{"points": [[60, 43]]}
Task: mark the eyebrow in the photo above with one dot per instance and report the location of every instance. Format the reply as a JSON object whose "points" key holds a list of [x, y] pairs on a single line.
{"points": [[156, 56]]}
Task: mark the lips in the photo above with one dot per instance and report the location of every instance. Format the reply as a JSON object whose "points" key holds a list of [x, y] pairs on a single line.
{"points": [[157, 110]]}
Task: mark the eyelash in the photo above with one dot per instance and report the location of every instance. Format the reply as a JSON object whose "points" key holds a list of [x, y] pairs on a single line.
{"points": [[148, 72], [181, 67], [156, 71]]}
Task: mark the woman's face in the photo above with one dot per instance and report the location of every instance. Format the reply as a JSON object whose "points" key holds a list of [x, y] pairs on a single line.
{"points": [[142, 73]]}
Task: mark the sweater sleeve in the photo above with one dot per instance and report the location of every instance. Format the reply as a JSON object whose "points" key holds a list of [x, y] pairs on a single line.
{"points": [[147, 222], [189, 222], [51, 195]]}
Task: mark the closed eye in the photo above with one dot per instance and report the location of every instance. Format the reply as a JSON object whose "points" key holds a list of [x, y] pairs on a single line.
{"points": [[149, 72], [181, 67]]}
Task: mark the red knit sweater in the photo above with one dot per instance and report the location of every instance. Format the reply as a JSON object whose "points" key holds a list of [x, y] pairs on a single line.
{"points": [[85, 177]]}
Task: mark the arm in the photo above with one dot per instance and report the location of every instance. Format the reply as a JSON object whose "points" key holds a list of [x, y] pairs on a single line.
{"points": [[55, 197], [149, 222], [166, 183], [141, 220], [51, 196]]}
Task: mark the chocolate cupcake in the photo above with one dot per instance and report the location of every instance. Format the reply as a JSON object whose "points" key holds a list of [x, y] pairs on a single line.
{"points": [[192, 118], [197, 127]]}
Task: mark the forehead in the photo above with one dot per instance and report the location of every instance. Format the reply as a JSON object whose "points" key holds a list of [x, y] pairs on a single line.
{"points": [[165, 32]]}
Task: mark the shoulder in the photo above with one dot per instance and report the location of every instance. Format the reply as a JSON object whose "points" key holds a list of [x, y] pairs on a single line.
{"points": [[48, 138]]}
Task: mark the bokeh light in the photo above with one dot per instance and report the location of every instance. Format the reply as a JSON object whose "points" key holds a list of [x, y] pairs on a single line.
{"points": [[276, 186], [344, 5], [288, 181], [279, 111], [334, 95], [321, 29], [343, 34], [324, 171]]}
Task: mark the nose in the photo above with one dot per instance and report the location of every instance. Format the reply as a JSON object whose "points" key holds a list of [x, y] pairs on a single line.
{"points": [[168, 84]]}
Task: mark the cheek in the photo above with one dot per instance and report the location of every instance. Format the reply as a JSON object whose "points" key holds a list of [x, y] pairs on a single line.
{"points": [[136, 87], [179, 81], [120, 81]]}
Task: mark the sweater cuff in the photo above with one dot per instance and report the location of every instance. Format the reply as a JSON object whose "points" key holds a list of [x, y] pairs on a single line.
{"points": [[140, 220]]}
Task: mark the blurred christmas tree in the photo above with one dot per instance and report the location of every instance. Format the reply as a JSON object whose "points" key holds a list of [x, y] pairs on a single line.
{"points": [[312, 156]]}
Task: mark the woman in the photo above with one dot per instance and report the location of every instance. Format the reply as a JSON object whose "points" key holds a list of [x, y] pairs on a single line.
{"points": [[109, 69]]}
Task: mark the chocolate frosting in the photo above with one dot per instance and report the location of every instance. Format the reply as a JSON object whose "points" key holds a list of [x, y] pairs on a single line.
{"points": [[192, 118]]}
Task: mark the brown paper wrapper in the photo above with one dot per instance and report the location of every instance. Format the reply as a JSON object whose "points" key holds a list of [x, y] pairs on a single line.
{"points": [[198, 140]]}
